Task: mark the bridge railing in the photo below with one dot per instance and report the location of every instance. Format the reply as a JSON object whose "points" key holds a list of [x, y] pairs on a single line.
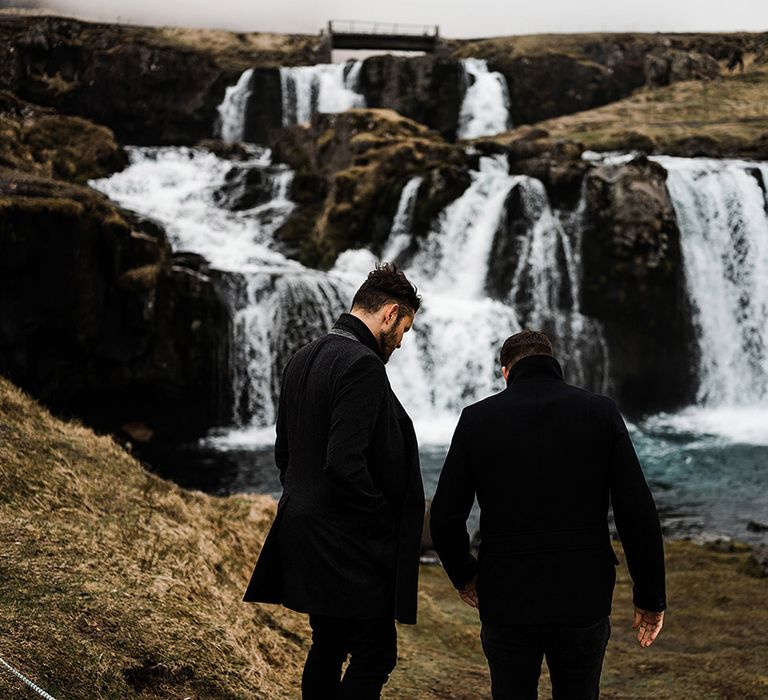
{"points": [[382, 28]]}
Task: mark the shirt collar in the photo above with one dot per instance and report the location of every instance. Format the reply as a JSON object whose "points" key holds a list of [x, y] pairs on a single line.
{"points": [[354, 325]]}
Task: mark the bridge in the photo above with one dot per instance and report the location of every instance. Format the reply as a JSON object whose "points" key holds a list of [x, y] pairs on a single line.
{"points": [[386, 36]]}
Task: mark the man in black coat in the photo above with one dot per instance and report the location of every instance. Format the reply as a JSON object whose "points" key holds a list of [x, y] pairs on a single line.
{"points": [[345, 543], [543, 459]]}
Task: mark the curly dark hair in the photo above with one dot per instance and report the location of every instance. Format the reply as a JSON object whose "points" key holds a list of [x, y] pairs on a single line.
{"points": [[384, 285], [524, 344]]}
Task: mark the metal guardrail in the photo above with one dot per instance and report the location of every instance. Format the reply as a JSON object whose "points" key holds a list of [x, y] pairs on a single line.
{"points": [[382, 28]]}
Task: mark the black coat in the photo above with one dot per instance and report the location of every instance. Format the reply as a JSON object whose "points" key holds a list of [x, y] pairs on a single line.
{"points": [[347, 535], [543, 458]]}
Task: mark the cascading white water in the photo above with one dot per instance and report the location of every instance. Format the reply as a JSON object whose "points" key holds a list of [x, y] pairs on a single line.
{"points": [[231, 123], [721, 213], [451, 358], [549, 269], [277, 304], [485, 109], [326, 87], [400, 233], [451, 361]]}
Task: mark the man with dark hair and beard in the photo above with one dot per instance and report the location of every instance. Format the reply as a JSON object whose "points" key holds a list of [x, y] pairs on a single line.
{"points": [[345, 543], [544, 458]]}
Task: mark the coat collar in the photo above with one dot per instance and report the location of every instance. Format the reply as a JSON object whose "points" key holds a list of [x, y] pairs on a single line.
{"points": [[535, 368], [352, 324]]}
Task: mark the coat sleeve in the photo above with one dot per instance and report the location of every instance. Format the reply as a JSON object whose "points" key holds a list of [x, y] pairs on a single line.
{"points": [[281, 428], [356, 405], [450, 509], [636, 519]]}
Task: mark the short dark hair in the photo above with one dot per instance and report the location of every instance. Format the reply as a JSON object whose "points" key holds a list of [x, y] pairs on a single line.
{"points": [[524, 344], [387, 284]]}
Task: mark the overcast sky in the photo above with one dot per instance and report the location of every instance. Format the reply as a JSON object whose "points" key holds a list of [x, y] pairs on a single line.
{"points": [[468, 18]]}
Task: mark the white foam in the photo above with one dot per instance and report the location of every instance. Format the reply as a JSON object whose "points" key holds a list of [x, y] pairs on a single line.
{"points": [[729, 424], [485, 108]]}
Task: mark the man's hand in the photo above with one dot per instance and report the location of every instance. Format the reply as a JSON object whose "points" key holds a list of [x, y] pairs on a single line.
{"points": [[648, 625], [469, 593]]}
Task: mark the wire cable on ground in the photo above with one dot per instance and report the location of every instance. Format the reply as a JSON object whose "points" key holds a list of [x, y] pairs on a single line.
{"points": [[4, 664]]}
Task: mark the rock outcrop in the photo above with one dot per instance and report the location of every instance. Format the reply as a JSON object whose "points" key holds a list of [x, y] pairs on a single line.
{"points": [[100, 320], [351, 169], [554, 75], [633, 283], [673, 66], [39, 140], [428, 89], [150, 86]]}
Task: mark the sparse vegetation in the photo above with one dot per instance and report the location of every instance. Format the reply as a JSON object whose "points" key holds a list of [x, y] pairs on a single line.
{"points": [[117, 584], [726, 117]]}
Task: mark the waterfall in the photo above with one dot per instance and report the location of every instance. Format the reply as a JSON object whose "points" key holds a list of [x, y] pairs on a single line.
{"points": [[451, 357], [231, 122], [400, 233], [546, 286], [485, 109], [326, 87], [722, 213], [277, 305]]}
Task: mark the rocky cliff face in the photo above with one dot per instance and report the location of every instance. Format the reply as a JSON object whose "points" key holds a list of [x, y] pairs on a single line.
{"points": [[673, 66], [553, 75], [40, 140], [633, 283], [149, 86], [98, 318], [427, 89], [351, 169], [137, 334]]}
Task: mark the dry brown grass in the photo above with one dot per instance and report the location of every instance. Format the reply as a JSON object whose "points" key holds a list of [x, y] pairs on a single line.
{"points": [[117, 584], [735, 107]]}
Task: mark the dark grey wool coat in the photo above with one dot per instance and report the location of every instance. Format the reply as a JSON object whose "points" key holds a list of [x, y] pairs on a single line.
{"points": [[347, 535], [543, 459]]}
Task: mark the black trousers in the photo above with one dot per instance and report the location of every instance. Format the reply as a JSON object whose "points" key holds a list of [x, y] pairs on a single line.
{"points": [[371, 646], [574, 656]]}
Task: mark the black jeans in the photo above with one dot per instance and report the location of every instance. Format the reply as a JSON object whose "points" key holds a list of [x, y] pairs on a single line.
{"points": [[574, 656], [372, 646]]}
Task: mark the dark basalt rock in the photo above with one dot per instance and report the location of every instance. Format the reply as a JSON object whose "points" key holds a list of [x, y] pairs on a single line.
{"points": [[673, 66], [549, 85], [633, 282], [428, 89], [244, 188], [442, 185], [148, 87], [504, 257], [39, 140], [350, 172], [264, 109], [99, 321]]}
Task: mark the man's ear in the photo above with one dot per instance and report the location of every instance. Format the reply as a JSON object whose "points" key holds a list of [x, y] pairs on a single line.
{"points": [[505, 373], [390, 313]]}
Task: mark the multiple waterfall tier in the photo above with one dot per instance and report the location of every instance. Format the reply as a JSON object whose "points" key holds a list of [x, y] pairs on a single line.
{"points": [[450, 358], [470, 304], [335, 87]]}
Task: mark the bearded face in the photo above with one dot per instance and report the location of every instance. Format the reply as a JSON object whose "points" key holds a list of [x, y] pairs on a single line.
{"points": [[390, 339]]}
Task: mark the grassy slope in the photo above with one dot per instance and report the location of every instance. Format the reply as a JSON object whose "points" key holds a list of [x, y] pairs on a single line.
{"points": [[117, 584], [232, 49], [733, 112]]}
